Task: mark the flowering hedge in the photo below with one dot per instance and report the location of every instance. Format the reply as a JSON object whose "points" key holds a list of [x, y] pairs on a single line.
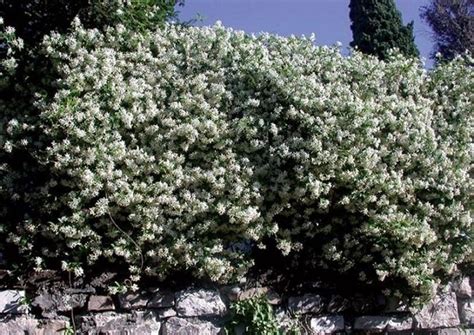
{"points": [[174, 149]]}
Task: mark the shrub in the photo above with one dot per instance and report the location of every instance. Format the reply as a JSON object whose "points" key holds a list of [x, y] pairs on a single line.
{"points": [[34, 19], [172, 149], [254, 315]]}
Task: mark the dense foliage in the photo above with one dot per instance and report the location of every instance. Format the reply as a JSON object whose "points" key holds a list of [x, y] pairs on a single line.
{"points": [[452, 23], [26, 74], [173, 150], [254, 315], [32, 19], [377, 28]]}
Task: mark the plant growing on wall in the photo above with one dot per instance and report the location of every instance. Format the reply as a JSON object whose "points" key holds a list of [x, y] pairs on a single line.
{"points": [[167, 150]]}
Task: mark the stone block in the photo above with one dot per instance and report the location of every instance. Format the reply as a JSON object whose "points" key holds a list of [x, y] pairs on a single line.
{"points": [[52, 302], [20, 325], [133, 300], [338, 304], [383, 323], [161, 299], [327, 324], [253, 292], [308, 303], [166, 313], [100, 303], [191, 303], [51, 326], [441, 312], [272, 297], [232, 292], [449, 331], [110, 323], [179, 326], [11, 302], [463, 288], [17, 325], [466, 311]]}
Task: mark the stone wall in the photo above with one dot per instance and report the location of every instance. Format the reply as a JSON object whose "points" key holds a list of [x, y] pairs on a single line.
{"points": [[205, 311]]}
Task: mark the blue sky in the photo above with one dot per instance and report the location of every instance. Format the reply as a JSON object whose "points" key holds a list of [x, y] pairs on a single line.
{"points": [[328, 19]]}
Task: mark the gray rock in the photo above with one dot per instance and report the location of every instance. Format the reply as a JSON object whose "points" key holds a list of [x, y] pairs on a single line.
{"points": [[272, 297], [327, 324], [166, 313], [67, 302], [383, 323], [466, 311], [308, 303], [12, 302], [75, 290], [103, 280], [110, 323], [47, 327], [133, 300], [463, 288], [101, 303], [400, 323], [103, 321], [178, 326], [338, 304], [231, 292], [441, 312], [200, 303], [46, 303], [84, 290], [20, 325], [253, 292], [452, 331], [51, 303], [161, 300], [144, 316]]}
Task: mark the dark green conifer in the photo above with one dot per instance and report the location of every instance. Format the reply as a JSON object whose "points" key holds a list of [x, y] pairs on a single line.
{"points": [[377, 27]]}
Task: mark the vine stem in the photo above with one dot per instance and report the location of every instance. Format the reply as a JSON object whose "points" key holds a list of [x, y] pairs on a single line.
{"points": [[142, 261], [72, 308]]}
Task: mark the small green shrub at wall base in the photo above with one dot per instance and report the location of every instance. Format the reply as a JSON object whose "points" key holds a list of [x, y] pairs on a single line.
{"points": [[69, 330], [255, 316], [197, 141]]}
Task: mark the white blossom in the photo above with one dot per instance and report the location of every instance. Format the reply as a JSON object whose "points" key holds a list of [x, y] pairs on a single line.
{"points": [[171, 145]]}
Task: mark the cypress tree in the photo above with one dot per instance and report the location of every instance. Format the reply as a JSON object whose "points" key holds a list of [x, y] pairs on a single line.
{"points": [[377, 27]]}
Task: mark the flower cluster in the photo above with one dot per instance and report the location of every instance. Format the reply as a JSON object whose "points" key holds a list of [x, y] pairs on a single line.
{"points": [[10, 44], [171, 149]]}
